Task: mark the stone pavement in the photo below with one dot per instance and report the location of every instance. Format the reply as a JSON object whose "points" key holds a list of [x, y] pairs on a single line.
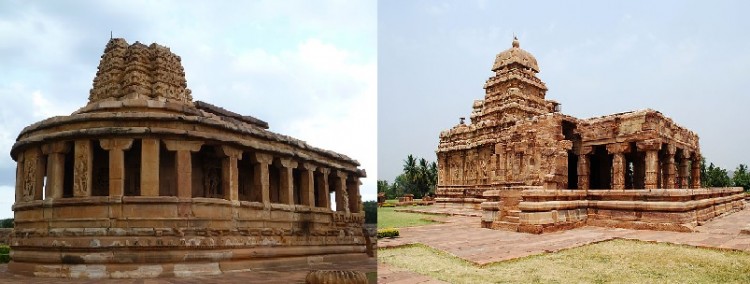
{"points": [[263, 277], [463, 237]]}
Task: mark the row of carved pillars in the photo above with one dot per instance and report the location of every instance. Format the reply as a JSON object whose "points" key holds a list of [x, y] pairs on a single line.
{"points": [[33, 168], [688, 167]]}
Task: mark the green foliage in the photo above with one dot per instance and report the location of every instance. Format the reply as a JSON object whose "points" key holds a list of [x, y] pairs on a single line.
{"points": [[388, 204], [4, 254], [371, 212], [6, 223], [741, 177], [384, 187], [715, 176], [387, 233], [419, 177]]}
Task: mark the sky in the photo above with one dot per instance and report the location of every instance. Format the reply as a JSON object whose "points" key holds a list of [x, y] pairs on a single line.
{"points": [[308, 68], [689, 60]]}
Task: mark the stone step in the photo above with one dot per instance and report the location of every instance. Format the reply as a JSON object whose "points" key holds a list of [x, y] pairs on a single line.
{"points": [[507, 226], [510, 219]]}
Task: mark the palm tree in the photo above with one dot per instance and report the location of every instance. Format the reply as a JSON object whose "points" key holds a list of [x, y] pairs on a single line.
{"points": [[410, 168]]}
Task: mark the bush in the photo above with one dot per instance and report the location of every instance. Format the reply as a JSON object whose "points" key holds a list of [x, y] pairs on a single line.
{"points": [[4, 254], [387, 233], [371, 212]]}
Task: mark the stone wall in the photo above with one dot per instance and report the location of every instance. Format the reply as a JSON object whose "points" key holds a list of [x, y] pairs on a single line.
{"points": [[5, 234], [544, 210], [120, 235]]}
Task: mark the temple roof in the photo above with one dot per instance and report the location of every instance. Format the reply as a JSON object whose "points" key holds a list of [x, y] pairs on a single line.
{"points": [[515, 55]]}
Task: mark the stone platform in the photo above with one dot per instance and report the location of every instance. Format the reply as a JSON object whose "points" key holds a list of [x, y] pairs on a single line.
{"points": [[256, 276], [463, 237]]}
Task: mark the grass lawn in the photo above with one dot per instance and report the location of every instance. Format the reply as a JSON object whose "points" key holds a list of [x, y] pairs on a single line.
{"points": [[389, 218], [616, 261]]}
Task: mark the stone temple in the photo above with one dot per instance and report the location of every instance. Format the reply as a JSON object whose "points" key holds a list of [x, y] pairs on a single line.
{"points": [[145, 182], [530, 168]]}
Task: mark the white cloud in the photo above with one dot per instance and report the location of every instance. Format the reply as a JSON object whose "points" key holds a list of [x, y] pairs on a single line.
{"points": [[44, 108]]}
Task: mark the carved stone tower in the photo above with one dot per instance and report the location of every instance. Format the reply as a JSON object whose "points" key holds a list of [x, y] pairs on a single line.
{"points": [[138, 71], [514, 92]]}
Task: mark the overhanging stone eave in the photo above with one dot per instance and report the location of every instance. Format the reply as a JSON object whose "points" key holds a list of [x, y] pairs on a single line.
{"points": [[221, 125]]}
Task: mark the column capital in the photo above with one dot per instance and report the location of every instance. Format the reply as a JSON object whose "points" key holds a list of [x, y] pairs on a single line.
{"points": [[61, 147], [324, 171], [696, 157], [671, 149], [686, 155], [648, 145], [261, 158], [229, 151], [308, 166], [618, 148], [288, 163], [342, 174], [116, 143], [585, 150], [178, 145]]}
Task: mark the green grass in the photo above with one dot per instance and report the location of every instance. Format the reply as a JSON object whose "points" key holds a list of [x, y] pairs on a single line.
{"points": [[389, 218], [372, 277], [616, 261]]}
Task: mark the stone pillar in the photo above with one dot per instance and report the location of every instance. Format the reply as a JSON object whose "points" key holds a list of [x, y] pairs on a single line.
{"points": [[651, 147], [669, 164], [55, 168], [342, 200], [583, 167], [307, 189], [441, 168], [501, 164], [696, 171], [323, 194], [116, 148], [229, 176], [19, 177], [286, 185], [33, 175], [149, 167], [684, 169], [618, 164], [353, 193], [184, 164], [82, 170], [260, 178]]}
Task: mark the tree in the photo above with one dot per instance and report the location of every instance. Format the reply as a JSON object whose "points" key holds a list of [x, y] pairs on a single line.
{"points": [[716, 177], [6, 223], [741, 177], [385, 188]]}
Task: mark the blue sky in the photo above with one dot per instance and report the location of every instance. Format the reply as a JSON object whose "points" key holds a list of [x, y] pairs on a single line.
{"points": [[308, 68], [688, 59]]}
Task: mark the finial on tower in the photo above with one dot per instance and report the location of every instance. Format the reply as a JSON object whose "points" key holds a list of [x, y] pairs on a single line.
{"points": [[515, 41]]}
